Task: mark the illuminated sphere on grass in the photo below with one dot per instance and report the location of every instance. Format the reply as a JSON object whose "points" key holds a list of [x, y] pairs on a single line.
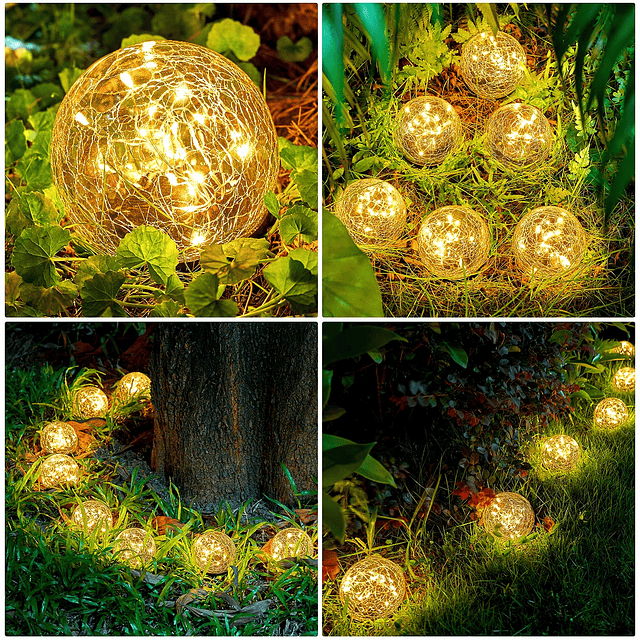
{"points": [[291, 543], [214, 551], [92, 515], [625, 379], [560, 453], [166, 134], [548, 241], [58, 470], [428, 130], [625, 348], [134, 547], [510, 515], [132, 385], [453, 242], [492, 66], [90, 402], [372, 588], [58, 437], [519, 135], [610, 413], [373, 212]]}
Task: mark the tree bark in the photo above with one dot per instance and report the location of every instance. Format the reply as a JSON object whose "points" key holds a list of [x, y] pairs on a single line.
{"points": [[232, 401]]}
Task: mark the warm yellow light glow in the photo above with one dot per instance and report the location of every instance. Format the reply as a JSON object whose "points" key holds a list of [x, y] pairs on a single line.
{"points": [[428, 130], [453, 242], [291, 543], [58, 469], [610, 413], [90, 402], [134, 547], [560, 453], [214, 551], [624, 379], [166, 134], [625, 348], [92, 515], [509, 516], [58, 437], [372, 588], [373, 211], [492, 66], [133, 384]]}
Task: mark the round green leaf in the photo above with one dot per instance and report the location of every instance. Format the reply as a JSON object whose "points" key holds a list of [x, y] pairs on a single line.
{"points": [[202, 300], [99, 295], [294, 52], [33, 254]]}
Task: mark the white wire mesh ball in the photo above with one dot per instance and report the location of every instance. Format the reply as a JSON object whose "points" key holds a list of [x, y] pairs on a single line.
{"points": [[58, 437], [214, 551], [58, 469], [291, 543], [428, 130], [90, 402], [167, 134], [625, 379], [133, 384], [519, 135], [560, 453], [610, 413], [373, 588], [453, 242], [373, 212], [92, 515], [549, 241], [510, 515], [135, 547], [493, 66], [625, 348]]}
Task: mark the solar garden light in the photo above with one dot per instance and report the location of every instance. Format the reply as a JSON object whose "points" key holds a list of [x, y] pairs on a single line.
{"points": [[91, 515], [509, 516], [58, 437], [90, 402], [135, 547], [625, 348], [291, 543], [214, 551], [610, 413], [166, 134], [131, 385], [625, 379], [57, 470], [560, 453]]}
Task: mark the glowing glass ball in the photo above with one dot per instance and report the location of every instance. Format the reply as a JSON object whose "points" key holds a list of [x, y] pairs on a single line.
{"points": [[97, 515], [428, 130], [134, 547], [58, 437], [560, 453], [453, 242], [519, 135], [291, 543], [610, 413], [90, 402], [58, 469], [373, 212], [373, 588], [510, 515], [625, 348], [492, 66], [624, 379], [131, 385], [167, 134], [214, 551], [549, 241]]}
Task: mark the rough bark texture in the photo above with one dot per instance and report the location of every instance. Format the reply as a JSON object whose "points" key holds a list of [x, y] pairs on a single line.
{"points": [[232, 401]]}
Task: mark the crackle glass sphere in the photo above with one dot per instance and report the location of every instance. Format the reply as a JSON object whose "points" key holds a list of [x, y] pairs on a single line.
{"points": [[58, 437], [610, 413], [493, 66], [519, 135], [132, 385], [214, 551], [625, 348], [373, 212], [291, 543], [90, 402], [560, 453], [510, 515], [58, 469], [548, 241], [92, 515], [453, 242], [624, 379], [373, 588], [428, 130], [166, 134], [134, 547]]}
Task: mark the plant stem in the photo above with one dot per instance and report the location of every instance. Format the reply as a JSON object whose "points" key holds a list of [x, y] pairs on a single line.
{"points": [[265, 307]]}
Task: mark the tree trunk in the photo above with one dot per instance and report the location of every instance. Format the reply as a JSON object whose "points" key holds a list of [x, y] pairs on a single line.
{"points": [[232, 401]]}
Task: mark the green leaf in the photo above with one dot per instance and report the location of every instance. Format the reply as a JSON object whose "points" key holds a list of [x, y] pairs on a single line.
{"points": [[99, 293], [16, 221], [137, 39], [332, 412], [231, 35], [364, 165], [16, 141], [34, 251], [252, 71], [93, 265], [298, 157], [373, 470], [457, 353], [333, 517], [68, 76], [308, 258], [175, 289], [294, 281], [327, 376], [236, 260], [48, 94], [167, 309], [21, 104], [272, 204], [355, 341], [43, 122], [307, 183], [39, 209], [35, 170], [299, 222], [294, 52], [51, 301], [340, 462], [146, 246], [202, 300], [12, 282]]}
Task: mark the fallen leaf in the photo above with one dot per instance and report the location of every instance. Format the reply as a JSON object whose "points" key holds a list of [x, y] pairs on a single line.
{"points": [[149, 578], [190, 596], [307, 516], [162, 523], [330, 564], [548, 523]]}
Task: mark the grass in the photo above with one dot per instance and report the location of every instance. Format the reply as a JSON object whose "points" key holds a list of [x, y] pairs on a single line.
{"points": [[60, 581], [577, 579]]}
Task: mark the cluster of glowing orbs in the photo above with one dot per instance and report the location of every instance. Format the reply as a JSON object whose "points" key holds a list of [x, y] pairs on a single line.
{"points": [[214, 551], [519, 135], [509, 515], [58, 437], [291, 543], [492, 66], [453, 242], [90, 402], [134, 547], [625, 348], [610, 413], [373, 588], [58, 469], [131, 385], [548, 241], [560, 453], [428, 130], [166, 134], [624, 379], [92, 515], [373, 212]]}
